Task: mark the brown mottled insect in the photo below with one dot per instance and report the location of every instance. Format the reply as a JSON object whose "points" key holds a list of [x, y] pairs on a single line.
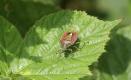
{"points": [[68, 39]]}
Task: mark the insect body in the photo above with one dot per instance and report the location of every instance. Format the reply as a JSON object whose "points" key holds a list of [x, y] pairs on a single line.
{"points": [[69, 43], [68, 39]]}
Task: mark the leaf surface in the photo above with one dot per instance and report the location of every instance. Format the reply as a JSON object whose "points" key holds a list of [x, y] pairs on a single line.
{"points": [[115, 64], [47, 59], [10, 43]]}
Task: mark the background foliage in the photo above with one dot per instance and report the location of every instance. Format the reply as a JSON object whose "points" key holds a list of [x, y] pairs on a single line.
{"points": [[18, 17]]}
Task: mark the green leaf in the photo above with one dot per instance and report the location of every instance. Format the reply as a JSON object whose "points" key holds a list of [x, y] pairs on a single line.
{"points": [[23, 14], [10, 41], [4, 78], [115, 64], [42, 45]]}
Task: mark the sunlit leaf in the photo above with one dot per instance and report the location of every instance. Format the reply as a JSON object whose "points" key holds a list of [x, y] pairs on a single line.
{"points": [[42, 44]]}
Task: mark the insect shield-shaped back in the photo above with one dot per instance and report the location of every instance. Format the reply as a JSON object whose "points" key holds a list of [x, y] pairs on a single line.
{"points": [[68, 39]]}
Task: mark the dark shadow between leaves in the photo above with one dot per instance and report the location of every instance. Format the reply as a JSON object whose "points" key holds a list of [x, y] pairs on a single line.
{"points": [[116, 60], [85, 5], [24, 14]]}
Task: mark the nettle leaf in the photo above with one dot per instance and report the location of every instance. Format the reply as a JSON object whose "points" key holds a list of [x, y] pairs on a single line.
{"points": [[10, 41], [42, 57], [115, 64]]}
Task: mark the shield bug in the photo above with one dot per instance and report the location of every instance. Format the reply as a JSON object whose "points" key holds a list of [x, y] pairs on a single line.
{"points": [[69, 43], [68, 39]]}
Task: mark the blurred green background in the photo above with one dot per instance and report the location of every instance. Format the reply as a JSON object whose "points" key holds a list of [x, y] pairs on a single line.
{"points": [[115, 63], [23, 13]]}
